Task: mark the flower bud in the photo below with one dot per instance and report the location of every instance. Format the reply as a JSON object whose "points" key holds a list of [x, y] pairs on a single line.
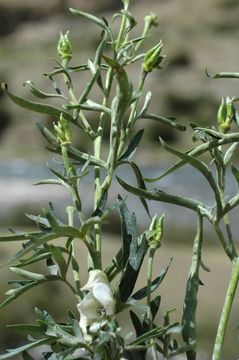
{"points": [[225, 114], [155, 232], [63, 131], [153, 58], [64, 47], [151, 20]]}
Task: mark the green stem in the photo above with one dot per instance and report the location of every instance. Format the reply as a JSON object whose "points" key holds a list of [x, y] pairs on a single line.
{"points": [[73, 188], [226, 310], [122, 28], [149, 314], [221, 172], [76, 275]]}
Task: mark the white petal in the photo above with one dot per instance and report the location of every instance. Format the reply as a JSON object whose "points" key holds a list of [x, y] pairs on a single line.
{"points": [[103, 293], [95, 276], [88, 307]]}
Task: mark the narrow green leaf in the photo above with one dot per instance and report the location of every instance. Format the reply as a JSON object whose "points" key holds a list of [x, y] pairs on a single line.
{"points": [[189, 331], [90, 105], [83, 157], [59, 259], [155, 304], [38, 93], [128, 229], [140, 182], [230, 152], [101, 204], [140, 294], [27, 274], [124, 84], [136, 322], [90, 83], [164, 120], [19, 237], [92, 18], [39, 221], [200, 166], [26, 329], [223, 75], [37, 107], [132, 147], [51, 138], [48, 182], [40, 255], [130, 274], [146, 104], [34, 344], [161, 196]]}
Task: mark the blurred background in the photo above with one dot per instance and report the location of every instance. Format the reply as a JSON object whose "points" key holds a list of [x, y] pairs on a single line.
{"points": [[197, 36]]}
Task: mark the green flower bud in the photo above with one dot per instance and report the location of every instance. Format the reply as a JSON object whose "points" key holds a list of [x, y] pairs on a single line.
{"points": [[225, 114], [155, 232], [63, 131], [153, 58], [64, 47], [151, 20]]}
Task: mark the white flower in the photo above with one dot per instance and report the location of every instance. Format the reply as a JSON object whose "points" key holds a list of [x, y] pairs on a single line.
{"points": [[98, 304]]}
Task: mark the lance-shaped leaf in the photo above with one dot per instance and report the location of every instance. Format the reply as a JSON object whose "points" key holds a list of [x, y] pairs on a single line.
{"points": [[90, 105], [96, 20], [49, 136], [224, 75], [101, 204], [230, 152], [125, 86], [157, 332], [22, 287], [83, 157], [58, 257], [154, 306], [40, 221], [13, 352], [19, 237], [161, 196], [199, 150], [132, 147], [128, 229], [167, 121], [130, 274], [40, 238], [140, 182], [200, 166], [190, 302], [146, 104], [38, 93], [91, 82], [72, 152], [140, 294], [39, 255], [38, 107], [26, 329]]}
